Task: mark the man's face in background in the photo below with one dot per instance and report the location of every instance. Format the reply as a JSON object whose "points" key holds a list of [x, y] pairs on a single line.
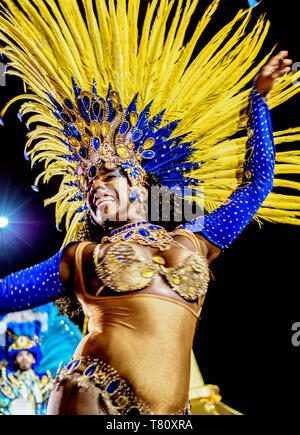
{"points": [[24, 360]]}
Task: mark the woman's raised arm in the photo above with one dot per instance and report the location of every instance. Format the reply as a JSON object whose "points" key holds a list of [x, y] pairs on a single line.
{"points": [[223, 225]]}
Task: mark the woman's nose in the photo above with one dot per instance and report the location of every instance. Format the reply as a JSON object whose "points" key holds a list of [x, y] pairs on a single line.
{"points": [[99, 182]]}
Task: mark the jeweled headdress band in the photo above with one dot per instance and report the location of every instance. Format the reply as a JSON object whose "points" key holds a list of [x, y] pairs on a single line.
{"points": [[101, 131]]}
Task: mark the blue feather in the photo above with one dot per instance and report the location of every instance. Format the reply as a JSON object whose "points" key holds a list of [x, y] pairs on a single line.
{"points": [[83, 109], [95, 87], [167, 130], [110, 104], [143, 118], [156, 121], [132, 106], [77, 90]]}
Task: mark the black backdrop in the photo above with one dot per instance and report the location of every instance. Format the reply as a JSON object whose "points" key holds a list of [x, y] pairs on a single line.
{"points": [[243, 341]]}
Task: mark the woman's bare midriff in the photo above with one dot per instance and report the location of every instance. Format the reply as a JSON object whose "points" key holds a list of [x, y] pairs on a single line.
{"points": [[133, 346]]}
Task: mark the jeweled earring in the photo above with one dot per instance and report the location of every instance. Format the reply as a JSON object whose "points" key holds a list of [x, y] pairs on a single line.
{"points": [[133, 195]]}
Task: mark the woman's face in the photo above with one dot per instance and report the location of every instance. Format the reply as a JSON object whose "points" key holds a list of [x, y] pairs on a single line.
{"points": [[108, 198]]}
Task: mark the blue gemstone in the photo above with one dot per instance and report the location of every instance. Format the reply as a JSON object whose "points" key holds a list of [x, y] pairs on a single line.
{"points": [[90, 370], [93, 172], [70, 366], [96, 143], [73, 365], [152, 240], [124, 127], [113, 386], [96, 108], [128, 235], [154, 227], [83, 153], [76, 364], [133, 195], [144, 232], [148, 154], [69, 104], [86, 102], [136, 135], [65, 117]]}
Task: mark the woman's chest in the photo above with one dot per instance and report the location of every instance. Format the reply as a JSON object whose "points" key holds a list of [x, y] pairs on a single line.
{"points": [[121, 268]]}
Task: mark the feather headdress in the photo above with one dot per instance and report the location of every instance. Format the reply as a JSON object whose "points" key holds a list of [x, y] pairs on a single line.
{"points": [[50, 42]]}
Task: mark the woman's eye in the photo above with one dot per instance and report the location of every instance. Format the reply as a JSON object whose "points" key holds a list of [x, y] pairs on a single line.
{"points": [[113, 175]]}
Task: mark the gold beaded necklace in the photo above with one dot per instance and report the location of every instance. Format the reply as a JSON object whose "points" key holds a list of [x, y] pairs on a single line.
{"points": [[141, 232]]}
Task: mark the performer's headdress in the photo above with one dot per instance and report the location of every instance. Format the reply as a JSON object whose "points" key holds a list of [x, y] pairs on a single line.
{"points": [[23, 337], [41, 331], [102, 131], [50, 43]]}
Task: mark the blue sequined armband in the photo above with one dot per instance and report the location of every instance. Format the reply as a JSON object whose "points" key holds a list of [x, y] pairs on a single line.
{"points": [[31, 287], [224, 224]]}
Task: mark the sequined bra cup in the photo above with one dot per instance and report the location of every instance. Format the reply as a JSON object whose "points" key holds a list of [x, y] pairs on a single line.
{"points": [[123, 270]]}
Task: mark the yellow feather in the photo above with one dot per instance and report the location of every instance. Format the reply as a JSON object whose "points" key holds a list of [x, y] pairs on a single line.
{"points": [[49, 42]]}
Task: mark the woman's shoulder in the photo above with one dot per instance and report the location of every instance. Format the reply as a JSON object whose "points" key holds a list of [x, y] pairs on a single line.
{"points": [[190, 240], [82, 248]]}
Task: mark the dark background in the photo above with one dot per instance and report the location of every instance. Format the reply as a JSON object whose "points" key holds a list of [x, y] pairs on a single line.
{"points": [[243, 342]]}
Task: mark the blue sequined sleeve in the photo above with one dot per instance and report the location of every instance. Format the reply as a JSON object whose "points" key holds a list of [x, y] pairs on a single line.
{"points": [[31, 287], [224, 224]]}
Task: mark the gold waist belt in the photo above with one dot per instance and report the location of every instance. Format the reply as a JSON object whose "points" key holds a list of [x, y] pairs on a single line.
{"points": [[117, 395]]}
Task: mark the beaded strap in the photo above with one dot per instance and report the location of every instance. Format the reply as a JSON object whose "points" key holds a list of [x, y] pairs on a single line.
{"points": [[194, 239]]}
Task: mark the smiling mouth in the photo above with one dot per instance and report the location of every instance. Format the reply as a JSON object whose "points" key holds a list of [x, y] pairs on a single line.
{"points": [[99, 199], [104, 199]]}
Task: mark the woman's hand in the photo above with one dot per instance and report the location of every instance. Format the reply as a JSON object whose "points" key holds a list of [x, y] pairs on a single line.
{"points": [[276, 67]]}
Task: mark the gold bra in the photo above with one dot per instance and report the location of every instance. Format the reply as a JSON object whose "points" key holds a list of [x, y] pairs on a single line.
{"points": [[123, 270]]}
